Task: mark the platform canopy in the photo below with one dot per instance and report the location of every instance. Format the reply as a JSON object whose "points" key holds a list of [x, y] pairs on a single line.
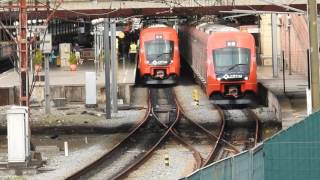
{"points": [[70, 9]]}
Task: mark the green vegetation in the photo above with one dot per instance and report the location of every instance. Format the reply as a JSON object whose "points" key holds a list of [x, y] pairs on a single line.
{"points": [[38, 57], [73, 58]]}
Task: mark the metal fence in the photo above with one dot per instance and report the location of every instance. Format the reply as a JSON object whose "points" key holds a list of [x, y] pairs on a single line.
{"points": [[292, 154]]}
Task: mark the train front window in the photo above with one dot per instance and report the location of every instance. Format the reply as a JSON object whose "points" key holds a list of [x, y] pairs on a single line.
{"points": [[159, 52], [231, 59]]}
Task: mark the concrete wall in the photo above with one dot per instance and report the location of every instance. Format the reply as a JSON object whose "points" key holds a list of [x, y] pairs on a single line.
{"points": [[270, 100], [266, 39], [77, 93], [72, 94]]}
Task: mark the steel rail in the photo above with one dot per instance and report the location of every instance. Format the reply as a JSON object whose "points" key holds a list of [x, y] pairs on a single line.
{"points": [[210, 134], [99, 161], [257, 125], [174, 132], [148, 154], [220, 141], [206, 130]]}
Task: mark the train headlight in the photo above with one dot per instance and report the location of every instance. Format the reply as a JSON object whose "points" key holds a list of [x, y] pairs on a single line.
{"points": [[219, 79], [246, 78], [171, 61]]}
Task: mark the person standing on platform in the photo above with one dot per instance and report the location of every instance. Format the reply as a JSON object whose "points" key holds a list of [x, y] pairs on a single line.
{"points": [[132, 51], [77, 53]]}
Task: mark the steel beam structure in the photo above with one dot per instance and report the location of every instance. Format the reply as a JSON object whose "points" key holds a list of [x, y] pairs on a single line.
{"points": [[23, 54], [23, 43], [106, 44], [114, 67], [100, 12]]}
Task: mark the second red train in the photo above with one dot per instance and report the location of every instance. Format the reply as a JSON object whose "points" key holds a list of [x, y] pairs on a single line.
{"points": [[223, 59]]}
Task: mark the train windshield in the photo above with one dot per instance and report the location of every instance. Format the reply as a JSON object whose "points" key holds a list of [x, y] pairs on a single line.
{"points": [[159, 52], [231, 59]]}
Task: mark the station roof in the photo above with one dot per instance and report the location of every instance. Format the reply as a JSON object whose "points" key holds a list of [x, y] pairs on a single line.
{"points": [[70, 9]]}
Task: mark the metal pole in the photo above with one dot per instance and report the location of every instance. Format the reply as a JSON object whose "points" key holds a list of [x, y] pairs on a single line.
{"points": [[289, 34], [107, 67], [308, 91], [114, 67], [31, 59], [283, 73], [99, 51], [47, 87], [314, 48], [308, 63], [274, 45], [95, 49], [23, 52], [101, 45]]}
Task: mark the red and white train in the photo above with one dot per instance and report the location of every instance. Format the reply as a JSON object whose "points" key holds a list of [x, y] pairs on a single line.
{"points": [[159, 57], [223, 59]]}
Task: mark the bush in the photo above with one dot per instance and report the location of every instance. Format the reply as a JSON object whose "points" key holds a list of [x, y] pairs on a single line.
{"points": [[38, 57], [73, 58]]}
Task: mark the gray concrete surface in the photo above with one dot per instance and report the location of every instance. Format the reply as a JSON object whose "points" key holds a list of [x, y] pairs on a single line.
{"points": [[77, 118], [292, 100], [68, 84], [63, 76]]}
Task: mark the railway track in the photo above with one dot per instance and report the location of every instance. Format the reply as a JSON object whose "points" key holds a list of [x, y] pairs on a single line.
{"points": [[163, 116], [234, 140]]}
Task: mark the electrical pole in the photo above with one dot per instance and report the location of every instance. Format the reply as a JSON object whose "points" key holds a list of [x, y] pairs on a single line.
{"points": [[23, 47], [114, 67], [289, 34], [23, 54], [107, 67], [274, 31], [47, 87], [314, 52]]}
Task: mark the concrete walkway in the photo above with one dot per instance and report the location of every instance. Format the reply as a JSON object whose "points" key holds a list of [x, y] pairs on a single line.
{"points": [[63, 76], [292, 98]]}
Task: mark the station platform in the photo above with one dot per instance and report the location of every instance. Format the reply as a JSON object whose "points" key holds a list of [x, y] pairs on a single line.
{"points": [[63, 76], [292, 96], [62, 79]]}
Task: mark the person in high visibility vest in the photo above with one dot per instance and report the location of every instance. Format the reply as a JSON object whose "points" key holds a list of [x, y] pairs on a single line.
{"points": [[133, 51]]}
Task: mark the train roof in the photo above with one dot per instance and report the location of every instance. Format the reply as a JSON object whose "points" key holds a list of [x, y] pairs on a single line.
{"points": [[211, 28], [158, 28], [156, 25]]}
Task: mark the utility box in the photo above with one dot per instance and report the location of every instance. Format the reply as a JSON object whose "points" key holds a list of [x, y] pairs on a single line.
{"points": [[18, 134], [91, 89], [65, 50]]}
